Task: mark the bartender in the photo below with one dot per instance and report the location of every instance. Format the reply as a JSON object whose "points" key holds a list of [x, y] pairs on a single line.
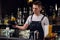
{"points": [[36, 21]]}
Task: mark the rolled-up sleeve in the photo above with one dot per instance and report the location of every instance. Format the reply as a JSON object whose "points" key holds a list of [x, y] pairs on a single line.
{"points": [[45, 25], [28, 21]]}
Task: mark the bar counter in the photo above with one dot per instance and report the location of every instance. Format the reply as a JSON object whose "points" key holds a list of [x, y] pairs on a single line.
{"points": [[12, 38]]}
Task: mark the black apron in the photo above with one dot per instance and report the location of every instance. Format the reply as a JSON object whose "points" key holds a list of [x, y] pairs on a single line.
{"points": [[36, 25]]}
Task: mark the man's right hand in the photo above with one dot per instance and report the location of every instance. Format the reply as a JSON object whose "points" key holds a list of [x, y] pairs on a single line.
{"points": [[14, 26]]}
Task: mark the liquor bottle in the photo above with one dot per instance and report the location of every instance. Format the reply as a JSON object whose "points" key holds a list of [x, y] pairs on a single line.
{"points": [[23, 19], [54, 14], [58, 12], [12, 17], [24, 10], [19, 13], [30, 11], [13, 20], [7, 32], [6, 20], [56, 37]]}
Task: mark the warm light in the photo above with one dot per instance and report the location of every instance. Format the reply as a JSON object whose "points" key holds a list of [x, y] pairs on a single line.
{"points": [[55, 6], [30, 1]]}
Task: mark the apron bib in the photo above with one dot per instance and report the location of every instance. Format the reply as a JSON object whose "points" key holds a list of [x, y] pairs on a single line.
{"points": [[36, 25]]}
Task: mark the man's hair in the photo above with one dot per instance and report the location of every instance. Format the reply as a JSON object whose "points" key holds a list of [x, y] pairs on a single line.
{"points": [[37, 3]]}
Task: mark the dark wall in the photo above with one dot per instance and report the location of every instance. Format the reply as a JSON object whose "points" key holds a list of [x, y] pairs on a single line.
{"points": [[0, 8], [9, 6]]}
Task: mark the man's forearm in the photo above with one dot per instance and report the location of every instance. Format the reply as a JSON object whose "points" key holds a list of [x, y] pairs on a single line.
{"points": [[20, 27]]}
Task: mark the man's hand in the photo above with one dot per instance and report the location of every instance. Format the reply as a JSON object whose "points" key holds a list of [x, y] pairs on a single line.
{"points": [[14, 26]]}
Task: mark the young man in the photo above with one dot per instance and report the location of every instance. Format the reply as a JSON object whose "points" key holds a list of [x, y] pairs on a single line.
{"points": [[37, 21]]}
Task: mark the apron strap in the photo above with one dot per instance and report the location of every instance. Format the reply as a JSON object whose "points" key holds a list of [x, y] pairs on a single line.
{"points": [[42, 18], [31, 17]]}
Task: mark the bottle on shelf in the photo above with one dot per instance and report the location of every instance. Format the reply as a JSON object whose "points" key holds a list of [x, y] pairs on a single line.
{"points": [[30, 10], [6, 20], [13, 20], [7, 32], [24, 10], [59, 12], [23, 19], [19, 14], [12, 17], [56, 36], [54, 15]]}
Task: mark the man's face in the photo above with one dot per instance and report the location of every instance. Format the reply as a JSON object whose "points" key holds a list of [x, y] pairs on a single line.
{"points": [[36, 8]]}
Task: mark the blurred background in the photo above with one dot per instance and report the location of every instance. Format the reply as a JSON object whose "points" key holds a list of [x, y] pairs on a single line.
{"points": [[18, 11]]}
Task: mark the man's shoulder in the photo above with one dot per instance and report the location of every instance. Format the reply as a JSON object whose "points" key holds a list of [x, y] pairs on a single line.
{"points": [[29, 16], [41, 15], [44, 15]]}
